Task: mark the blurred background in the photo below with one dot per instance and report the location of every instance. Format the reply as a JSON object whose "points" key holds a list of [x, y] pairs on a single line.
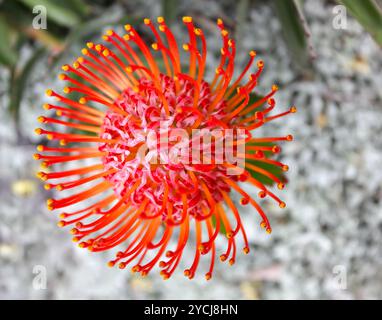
{"points": [[326, 58]]}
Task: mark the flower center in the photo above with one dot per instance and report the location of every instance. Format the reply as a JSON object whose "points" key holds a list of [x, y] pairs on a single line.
{"points": [[155, 162]]}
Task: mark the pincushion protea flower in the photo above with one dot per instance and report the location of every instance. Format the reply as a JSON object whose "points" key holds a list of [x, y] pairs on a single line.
{"points": [[137, 202]]}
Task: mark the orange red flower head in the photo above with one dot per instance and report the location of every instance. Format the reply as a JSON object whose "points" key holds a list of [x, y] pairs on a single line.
{"points": [[158, 148]]}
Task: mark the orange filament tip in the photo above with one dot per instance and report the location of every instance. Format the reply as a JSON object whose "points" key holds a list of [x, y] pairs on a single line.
{"points": [[146, 21], [229, 234], [40, 147], [66, 90], [128, 27], [129, 69], [62, 76], [59, 187], [246, 250], [262, 194], [224, 33], [293, 109], [76, 239], [74, 231], [208, 276], [186, 273], [268, 230], [85, 51], [187, 19], [186, 47], [160, 19], [61, 224], [260, 64], [122, 265], [223, 257], [275, 88], [106, 52], [49, 92], [244, 201], [111, 264], [65, 67], [162, 28], [198, 31], [49, 136], [263, 224], [82, 100], [280, 185], [76, 65], [62, 215], [289, 137], [285, 168], [276, 149], [47, 186], [46, 106], [155, 46], [90, 45], [136, 268], [109, 32], [36, 156], [282, 205], [44, 165], [98, 47], [38, 131], [252, 53], [219, 22], [63, 142], [231, 262]]}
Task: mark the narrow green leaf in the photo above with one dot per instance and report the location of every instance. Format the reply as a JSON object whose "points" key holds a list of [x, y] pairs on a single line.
{"points": [[169, 9], [8, 55], [222, 229], [19, 80], [78, 6], [273, 169], [368, 14], [57, 11], [295, 31]]}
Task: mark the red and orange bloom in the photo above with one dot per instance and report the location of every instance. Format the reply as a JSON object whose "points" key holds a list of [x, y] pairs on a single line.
{"points": [[137, 195]]}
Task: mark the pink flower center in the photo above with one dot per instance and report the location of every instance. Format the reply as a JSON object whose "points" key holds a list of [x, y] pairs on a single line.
{"points": [[141, 156]]}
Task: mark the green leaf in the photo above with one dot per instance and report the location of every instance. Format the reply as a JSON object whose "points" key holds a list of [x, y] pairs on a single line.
{"points": [[19, 80], [273, 169], [295, 31], [78, 6], [8, 55], [169, 10], [222, 227], [368, 14], [57, 11]]}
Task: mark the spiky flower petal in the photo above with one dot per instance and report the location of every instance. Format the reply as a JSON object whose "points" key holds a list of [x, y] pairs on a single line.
{"points": [[144, 128]]}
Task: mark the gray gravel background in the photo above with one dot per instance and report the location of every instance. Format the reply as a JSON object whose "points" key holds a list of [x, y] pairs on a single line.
{"points": [[333, 219]]}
